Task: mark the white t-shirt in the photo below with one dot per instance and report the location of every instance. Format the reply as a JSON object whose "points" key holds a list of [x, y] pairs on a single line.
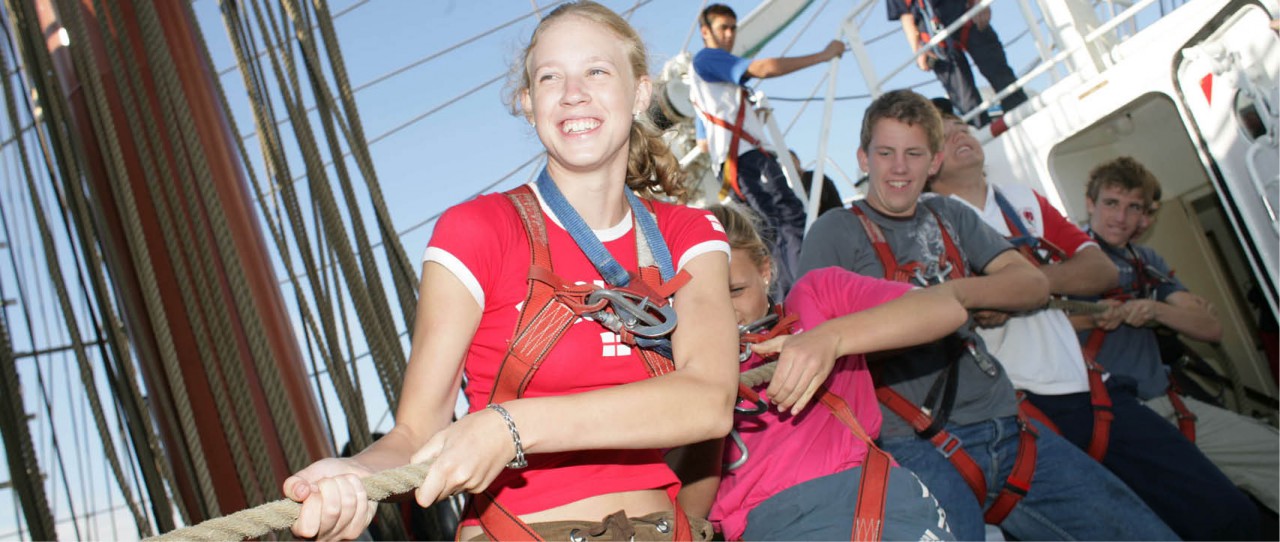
{"points": [[1040, 351]]}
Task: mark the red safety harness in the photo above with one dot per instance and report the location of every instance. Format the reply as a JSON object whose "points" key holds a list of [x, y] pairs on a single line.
{"points": [[930, 22], [729, 179], [1023, 471], [1143, 286], [1040, 251], [550, 307], [873, 486]]}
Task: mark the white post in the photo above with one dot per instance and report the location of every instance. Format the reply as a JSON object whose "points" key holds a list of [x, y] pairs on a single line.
{"points": [[816, 184]]}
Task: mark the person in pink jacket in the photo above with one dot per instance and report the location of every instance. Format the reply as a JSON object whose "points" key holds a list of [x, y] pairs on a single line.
{"points": [[800, 477]]}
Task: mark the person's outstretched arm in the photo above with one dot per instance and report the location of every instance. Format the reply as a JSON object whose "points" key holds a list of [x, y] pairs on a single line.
{"points": [[765, 68], [805, 360]]}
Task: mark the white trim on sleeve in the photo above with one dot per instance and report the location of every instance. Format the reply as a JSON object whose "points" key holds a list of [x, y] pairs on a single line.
{"points": [[459, 269], [700, 249]]}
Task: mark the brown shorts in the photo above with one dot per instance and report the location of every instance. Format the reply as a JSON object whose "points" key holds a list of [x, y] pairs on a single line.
{"points": [[617, 526]]}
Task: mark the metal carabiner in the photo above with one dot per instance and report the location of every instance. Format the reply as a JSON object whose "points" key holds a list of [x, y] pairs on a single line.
{"points": [[757, 407], [943, 273], [742, 448], [638, 315], [763, 324], [939, 276]]}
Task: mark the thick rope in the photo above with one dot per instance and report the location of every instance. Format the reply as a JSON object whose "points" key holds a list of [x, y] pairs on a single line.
{"points": [[1073, 306], [72, 327], [758, 375], [180, 242], [23, 467], [388, 352], [69, 156], [281, 514], [202, 206]]}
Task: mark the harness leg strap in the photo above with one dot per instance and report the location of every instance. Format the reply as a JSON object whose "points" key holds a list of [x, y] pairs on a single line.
{"points": [[1018, 483]]}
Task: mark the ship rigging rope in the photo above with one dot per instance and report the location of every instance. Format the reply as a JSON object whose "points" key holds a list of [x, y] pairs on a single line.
{"points": [[18, 446], [270, 142], [358, 268], [191, 262], [56, 107], [72, 326], [388, 355], [43, 387], [113, 349], [281, 514]]}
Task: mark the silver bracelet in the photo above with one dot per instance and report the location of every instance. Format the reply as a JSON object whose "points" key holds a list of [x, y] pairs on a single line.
{"points": [[519, 462]]}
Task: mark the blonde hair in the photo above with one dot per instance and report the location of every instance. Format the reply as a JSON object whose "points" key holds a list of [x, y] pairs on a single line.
{"points": [[740, 227], [652, 169]]}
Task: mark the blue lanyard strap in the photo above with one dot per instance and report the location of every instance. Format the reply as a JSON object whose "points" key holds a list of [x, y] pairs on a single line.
{"points": [[590, 245], [1024, 237]]}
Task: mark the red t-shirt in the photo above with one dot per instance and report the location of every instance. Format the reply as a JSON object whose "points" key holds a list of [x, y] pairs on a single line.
{"points": [[483, 243]]}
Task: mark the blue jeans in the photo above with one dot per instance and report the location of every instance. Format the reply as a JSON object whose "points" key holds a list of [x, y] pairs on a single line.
{"points": [[1158, 463], [1072, 497], [823, 509]]}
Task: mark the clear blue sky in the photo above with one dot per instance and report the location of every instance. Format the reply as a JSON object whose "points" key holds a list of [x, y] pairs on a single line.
{"points": [[456, 151]]}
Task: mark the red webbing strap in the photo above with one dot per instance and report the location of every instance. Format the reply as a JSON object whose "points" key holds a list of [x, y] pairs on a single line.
{"points": [[1186, 418], [887, 260], [958, 270], [873, 487], [656, 363], [730, 178], [783, 327], [1019, 480], [963, 42], [949, 446], [895, 272], [683, 531], [1098, 396], [542, 320], [498, 523]]}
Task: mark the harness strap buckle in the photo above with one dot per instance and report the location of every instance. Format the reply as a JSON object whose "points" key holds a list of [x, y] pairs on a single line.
{"points": [[949, 445]]}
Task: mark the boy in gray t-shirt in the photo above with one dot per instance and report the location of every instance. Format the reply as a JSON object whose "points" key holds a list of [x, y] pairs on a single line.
{"points": [[970, 408]]}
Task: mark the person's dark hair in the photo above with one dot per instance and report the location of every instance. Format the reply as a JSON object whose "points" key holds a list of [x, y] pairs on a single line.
{"points": [[945, 110], [904, 106], [652, 168], [716, 10], [1124, 173]]}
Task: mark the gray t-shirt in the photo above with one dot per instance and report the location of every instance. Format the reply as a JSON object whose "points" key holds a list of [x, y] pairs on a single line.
{"points": [[837, 238]]}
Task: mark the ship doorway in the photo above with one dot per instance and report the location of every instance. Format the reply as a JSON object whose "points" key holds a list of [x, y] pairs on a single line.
{"points": [[1192, 230]]}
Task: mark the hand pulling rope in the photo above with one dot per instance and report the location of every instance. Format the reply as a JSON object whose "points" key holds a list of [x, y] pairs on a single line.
{"points": [[261, 520], [277, 515]]}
